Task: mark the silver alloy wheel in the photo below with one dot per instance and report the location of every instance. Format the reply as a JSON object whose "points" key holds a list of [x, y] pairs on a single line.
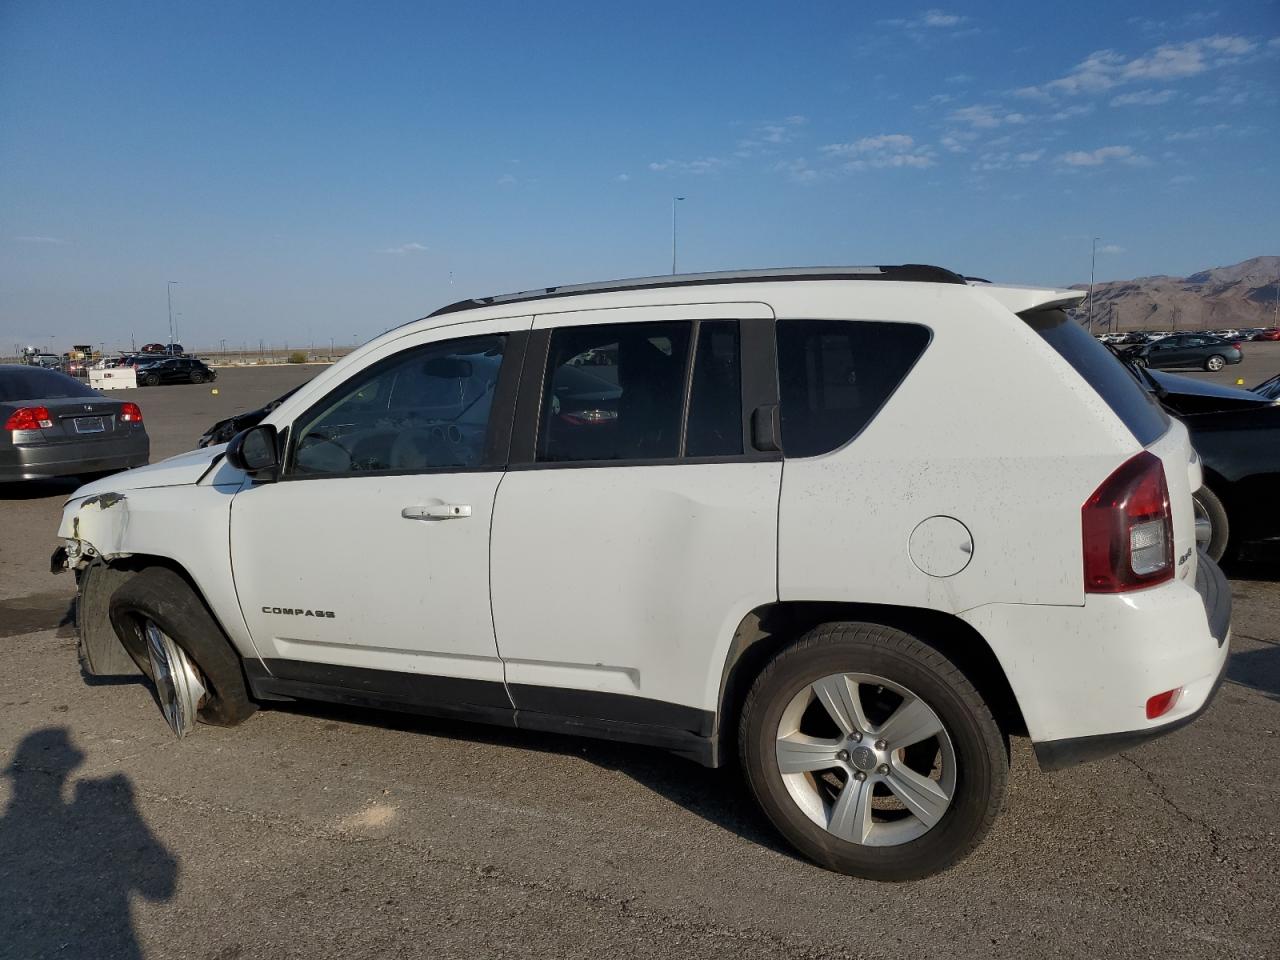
{"points": [[1203, 525], [178, 683], [861, 785], [1216, 363]]}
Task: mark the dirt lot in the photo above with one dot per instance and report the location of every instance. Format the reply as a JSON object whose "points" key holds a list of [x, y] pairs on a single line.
{"points": [[326, 833]]}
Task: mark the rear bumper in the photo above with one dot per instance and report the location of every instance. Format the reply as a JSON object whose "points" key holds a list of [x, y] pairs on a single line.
{"points": [[1082, 675], [44, 461]]}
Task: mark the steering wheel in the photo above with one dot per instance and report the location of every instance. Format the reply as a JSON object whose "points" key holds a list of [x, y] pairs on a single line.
{"points": [[417, 448], [323, 454]]}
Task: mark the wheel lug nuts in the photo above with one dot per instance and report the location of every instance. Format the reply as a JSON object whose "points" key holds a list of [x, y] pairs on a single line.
{"points": [[856, 737], [843, 756], [859, 776], [882, 769], [880, 744]]}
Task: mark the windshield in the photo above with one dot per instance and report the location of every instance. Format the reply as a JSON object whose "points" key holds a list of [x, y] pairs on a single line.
{"points": [[37, 384]]}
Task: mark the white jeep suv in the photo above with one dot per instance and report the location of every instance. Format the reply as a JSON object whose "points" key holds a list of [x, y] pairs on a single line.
{"points": [[854, 527]]}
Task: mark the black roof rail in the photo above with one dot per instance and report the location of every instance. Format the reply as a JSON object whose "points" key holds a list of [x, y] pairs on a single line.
{"points": [[910, 272]]}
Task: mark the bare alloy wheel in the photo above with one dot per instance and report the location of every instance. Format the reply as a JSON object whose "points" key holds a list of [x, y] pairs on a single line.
{"points": [[179, 687], [872, 753], [1215, 363], [877, 770]]}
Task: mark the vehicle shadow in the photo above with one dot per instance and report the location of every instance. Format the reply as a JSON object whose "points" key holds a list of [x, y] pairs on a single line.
{"points": [[1257, 669], [72, 866], [41, 489], [1252, 570], [718, 796]]}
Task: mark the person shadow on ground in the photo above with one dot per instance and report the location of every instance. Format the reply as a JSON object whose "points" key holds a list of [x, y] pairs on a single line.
{"points": [[69, 867]]}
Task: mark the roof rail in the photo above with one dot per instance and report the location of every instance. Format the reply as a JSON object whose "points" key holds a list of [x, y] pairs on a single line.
{"points": [[913, 272]]}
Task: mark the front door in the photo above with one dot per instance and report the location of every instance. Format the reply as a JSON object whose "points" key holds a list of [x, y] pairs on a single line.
{"points": [[637, 523], [367, 564]]}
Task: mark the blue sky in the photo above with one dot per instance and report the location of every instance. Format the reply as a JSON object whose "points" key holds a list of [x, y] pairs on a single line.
{"points": [[315, 170]]}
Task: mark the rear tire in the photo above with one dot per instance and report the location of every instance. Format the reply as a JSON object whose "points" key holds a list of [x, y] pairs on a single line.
{"points": [[1211, 512], [151, 380], [1215, 363], [163, 597], [887, 671]]}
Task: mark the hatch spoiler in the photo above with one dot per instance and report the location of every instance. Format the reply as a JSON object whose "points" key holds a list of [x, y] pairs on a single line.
{"points": [[1021, 299]]}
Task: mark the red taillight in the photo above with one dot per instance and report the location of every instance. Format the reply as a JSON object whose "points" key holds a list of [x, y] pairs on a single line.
{"points": [[1162, 703], [29, 418], [131, 413], [1128, 529]]}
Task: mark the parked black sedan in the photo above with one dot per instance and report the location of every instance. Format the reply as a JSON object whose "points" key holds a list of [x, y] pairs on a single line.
{"points": [[55, 425], [151, 373], [1200, 350], [1237, 435]]}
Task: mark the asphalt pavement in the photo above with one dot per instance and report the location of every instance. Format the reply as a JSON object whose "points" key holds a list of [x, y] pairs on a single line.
{"points": [[318, 832]]}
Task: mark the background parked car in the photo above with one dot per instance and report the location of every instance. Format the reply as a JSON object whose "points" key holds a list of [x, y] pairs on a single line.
{"points": [[1272, 333], [167, 349], [1237, 434], [54, 426], [173, 370], [1185, 350]]}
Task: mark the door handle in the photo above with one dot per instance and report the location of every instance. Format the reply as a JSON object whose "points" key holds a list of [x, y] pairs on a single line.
{"points": [[442, 511]]}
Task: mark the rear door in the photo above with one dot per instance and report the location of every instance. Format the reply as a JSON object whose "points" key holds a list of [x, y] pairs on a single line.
{"points": [[637, 523]]}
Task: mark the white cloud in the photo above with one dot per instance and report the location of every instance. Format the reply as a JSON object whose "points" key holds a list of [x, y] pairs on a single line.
{"points": [[622, 177], [55, 240], [1143, 98], [770, 134], [959, 78], [1029, 156], [798, 170], [1181, 179], [931, 19], [1197, 133], [1105, 69], [1096, 158], [1111, 248], [883, 151], [696, 167], [506, 180], [984, 116], [405, 248]]}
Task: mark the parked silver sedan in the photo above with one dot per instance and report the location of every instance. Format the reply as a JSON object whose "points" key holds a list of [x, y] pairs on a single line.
{"points": [[54, 425]]}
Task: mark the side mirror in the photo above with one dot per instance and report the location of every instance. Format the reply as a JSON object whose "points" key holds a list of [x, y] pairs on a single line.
{"points": [[256, 452]]}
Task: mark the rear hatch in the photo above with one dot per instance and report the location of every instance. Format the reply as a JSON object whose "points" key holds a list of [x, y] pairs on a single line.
{"points": [[1139, 411]]}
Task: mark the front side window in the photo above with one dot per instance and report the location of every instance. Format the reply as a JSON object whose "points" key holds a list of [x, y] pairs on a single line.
{"points": [[424, 409], [834, 375]]}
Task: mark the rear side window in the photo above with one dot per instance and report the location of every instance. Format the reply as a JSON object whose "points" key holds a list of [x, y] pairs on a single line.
{"points": [[834, 375], [1136, 408]]}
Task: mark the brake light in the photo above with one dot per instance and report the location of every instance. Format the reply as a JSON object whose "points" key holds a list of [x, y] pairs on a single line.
{"points": [[1127, 528], [29, 418], [130, 413]]}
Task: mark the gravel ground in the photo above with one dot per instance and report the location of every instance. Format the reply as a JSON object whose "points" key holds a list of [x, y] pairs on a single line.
{"points": [[321, 832]]}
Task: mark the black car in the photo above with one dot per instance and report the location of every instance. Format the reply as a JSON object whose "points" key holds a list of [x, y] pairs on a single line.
{"points": [[1268, 388], [173, 370], [1200, 350], [1237, 434]]}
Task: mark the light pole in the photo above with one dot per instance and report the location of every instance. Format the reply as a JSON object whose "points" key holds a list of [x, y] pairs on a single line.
{"points": [[673, 232], [168, 291], [1093, 260]]}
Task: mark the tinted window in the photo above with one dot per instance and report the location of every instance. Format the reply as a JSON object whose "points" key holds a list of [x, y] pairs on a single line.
{"points": [[614, 392], [424, 409], [834, 375], [715, 402], [1107, 375], [36, 384]]}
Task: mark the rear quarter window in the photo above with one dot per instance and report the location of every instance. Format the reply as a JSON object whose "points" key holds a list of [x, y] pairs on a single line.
{"points": [[1135, 407], [835, 375]]}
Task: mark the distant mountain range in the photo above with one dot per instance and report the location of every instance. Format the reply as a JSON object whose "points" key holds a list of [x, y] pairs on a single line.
{"points": [[1241, 295]]}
